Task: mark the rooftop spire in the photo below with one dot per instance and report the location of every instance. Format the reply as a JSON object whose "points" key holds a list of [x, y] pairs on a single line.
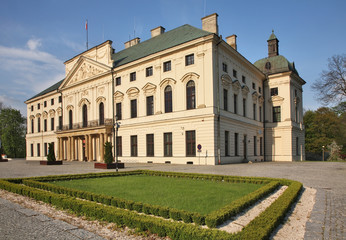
{"points": [[273, 45]]}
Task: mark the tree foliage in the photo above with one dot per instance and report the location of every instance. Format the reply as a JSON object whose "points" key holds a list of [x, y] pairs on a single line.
{"points": [[331, 87], [322, 127], [108, 153], [12, 132], [51, 154]]}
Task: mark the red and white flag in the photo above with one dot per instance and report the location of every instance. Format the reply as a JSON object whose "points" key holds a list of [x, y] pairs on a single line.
{"points": [[86, 25]]}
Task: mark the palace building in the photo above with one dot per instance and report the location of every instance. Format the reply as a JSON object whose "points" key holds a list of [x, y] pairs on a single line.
{"points": [[185, 96]]}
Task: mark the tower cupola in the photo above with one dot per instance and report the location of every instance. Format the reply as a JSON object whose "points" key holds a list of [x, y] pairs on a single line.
{"points": [[273, 45]]}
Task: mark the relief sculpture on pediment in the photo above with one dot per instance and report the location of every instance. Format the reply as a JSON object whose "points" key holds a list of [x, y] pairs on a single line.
{"points": [[85, 71]]}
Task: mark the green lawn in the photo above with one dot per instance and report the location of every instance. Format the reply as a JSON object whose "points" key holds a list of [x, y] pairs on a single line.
{"points": [[180, 193]]}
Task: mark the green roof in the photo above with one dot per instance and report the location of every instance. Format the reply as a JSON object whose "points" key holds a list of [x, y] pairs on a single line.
{"points": [[50, 89], [277, 64], [272, 36], [159, 43]]}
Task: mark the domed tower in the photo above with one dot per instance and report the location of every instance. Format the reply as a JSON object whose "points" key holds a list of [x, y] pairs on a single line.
{"points": [[284, 131]]}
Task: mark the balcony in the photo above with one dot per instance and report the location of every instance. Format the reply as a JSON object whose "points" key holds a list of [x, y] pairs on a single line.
{"points": [[80, 125]]}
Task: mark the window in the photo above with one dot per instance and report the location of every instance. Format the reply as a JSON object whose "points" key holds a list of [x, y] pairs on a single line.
{"points": [[261, 146], [134, 146], [149, 71], [190, 95], [259, 89], [45, 104], [39, 125], [118, 81], [118, 111], [32, 126], [274, 91], [168, 99], [32, 150], [243, 79], [260, 114], [167, 66], [132, 76], [190, 143], [254, 86], [119, 146], [226, 143], [60, 99], [38, 106], [244, 107], [225, 100], [133, 108], [52, 124], [70, 119], [150, 145], [60, 122], [255, 145], [296, 114], [150, 105], [276, 114], [52, 101], [167, 144], [32, 108], [297, 146], [38, 150], [45, 149], [189, 60], [224, 67], [235, 103], [45, 125], [85, 115], [235, 73], [236, 139], [102, 113], [254, 111]]}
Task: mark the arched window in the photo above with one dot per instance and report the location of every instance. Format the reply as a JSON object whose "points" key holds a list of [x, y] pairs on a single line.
{"points": [[70, 119], [190, 95], [85, 115], [168, 99], [101, 114]]}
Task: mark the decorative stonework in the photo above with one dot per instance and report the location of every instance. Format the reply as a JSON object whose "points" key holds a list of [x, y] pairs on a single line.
{"points": [[167, 81], [69, 107], [70, 99], [245, 90], [260, 99], [45, 115], [59, 111], [32, 117], [236, 86], [100, 99], [189, 76], [276, 99], [101, 90], [85, 71], [254, 97], [51, 113], [149, 89], [84, 93], [38, 115], [226, 81], [118, 96], [133, 92], [84, 101]]}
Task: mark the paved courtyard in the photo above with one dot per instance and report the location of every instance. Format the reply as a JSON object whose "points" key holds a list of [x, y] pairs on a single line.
{"points": [[327, 220]]}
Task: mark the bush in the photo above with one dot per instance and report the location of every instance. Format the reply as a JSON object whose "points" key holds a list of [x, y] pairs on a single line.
{"points": [[108, 153], [51, 154]]}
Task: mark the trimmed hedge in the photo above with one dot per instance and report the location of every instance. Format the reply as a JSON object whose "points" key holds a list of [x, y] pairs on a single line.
{"points": [[260, 228]]}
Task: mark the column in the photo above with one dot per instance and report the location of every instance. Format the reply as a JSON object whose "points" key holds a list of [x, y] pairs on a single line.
{"points": [[68, 148], [90, 145], [102, 147], [86, 150], [72, 149], [59, 149]]}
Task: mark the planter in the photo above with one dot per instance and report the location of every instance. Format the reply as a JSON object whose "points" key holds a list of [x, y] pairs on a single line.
{"points": [[4, 160], [109, 165], [51, 163]]}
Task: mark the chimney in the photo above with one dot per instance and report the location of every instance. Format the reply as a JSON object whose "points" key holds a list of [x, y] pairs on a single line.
{"points": [[157, 31], [232, 40], [132, 42], [209, 23]]}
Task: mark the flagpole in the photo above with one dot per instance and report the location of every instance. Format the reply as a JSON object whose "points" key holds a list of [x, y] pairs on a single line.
{"points": [[86, 28]]}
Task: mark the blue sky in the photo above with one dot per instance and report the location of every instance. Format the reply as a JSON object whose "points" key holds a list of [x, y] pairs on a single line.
{"points": [[38, 36]]}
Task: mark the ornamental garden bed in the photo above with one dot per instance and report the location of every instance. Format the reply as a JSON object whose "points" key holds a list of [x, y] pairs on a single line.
{"points": [[109, 165], [50, 162], [179, 199]]}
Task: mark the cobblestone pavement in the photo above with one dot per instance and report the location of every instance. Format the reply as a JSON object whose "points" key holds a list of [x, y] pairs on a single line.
{"points": [[327, 220]]}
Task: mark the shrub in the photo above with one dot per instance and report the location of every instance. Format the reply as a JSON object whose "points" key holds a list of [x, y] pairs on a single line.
{"points": [[108, 153], [51, 154]]}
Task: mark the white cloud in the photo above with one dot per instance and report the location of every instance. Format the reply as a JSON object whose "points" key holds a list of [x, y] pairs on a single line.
{"points": [[33, 44]]}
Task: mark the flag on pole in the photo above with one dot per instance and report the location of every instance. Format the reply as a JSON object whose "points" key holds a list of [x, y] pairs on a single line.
{"points": [[86, 25]]}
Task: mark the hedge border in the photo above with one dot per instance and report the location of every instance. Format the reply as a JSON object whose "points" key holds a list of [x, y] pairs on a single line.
{"points": [[259, 228]]}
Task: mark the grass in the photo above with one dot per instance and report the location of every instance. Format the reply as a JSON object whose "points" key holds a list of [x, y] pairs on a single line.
{"points": [[200, 196]]}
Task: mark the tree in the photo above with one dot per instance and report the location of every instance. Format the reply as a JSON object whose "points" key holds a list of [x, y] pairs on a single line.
{"points": [[51, 154], [108, 153], [331, 87], [12, 132], [334, 150]]}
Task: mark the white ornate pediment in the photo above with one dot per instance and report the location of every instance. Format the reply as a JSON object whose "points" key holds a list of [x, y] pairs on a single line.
{"points": [[84, 101], [118, 96], [59, 111], [226, 80], [31, 117], [167, 81], [245, 90], [260, 99], [38, 115], [149, 89], [132, 92], [51, 112], [189, 76], [84, 70], [69, 107], [276, 99], [45, 115], [254, 96], [236, 86], [100, 99]]}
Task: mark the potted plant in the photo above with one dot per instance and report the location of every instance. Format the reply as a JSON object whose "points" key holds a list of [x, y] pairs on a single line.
{"points": [[51, 160], [108, 159]]}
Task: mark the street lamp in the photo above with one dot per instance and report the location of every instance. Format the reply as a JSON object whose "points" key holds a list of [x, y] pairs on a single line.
{"points": [[116, 126], [323, 153]]}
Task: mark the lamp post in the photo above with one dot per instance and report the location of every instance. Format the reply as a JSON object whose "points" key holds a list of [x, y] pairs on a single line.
{"points": [[323, 153], [116, 126]]}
